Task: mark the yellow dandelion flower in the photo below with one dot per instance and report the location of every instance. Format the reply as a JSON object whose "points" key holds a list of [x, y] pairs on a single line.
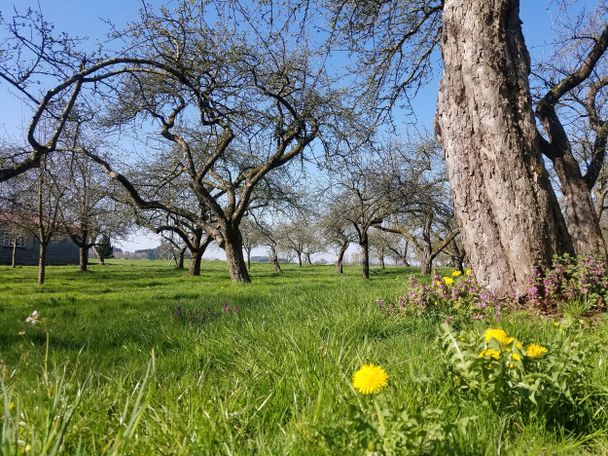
{"points": [[497, 334], [535, 351], [448, 280], [468, 271], [490, 353], [456, 274], [370, 379], [515, 357]]}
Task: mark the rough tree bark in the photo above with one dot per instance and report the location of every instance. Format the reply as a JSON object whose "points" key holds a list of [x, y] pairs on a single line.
{"points": [[509, 214], [233, 247], [196, 258], [426, 261]]}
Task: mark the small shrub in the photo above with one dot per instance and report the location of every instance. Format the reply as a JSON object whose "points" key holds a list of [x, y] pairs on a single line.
{"points": [[580, 282], [457, 296]]}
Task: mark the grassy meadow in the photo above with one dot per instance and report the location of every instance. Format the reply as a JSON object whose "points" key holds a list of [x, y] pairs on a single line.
{"points": [[138, 358]]}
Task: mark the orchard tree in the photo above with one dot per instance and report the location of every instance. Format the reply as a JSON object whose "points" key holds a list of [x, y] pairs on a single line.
{"points": [[362, 205], [571, 106], [399, 250], [176, 247], [231, 111], [299, 235], [176, 211], [337, 231], [250, 235], [88, 209], [269, 235], [379, 246], [411, 178], [33, 204]]}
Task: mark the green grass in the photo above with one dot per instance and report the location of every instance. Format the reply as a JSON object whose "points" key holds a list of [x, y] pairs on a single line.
{"points": [[124, 376]]}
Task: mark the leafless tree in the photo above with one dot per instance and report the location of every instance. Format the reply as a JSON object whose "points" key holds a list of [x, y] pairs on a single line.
{"points": [[399, 250], [362, 205], [177, 248], [33, 205], [299, 235], [570, 104], [337, 231], [250, 235], [268, 235], [88, 209], [231, 111]]}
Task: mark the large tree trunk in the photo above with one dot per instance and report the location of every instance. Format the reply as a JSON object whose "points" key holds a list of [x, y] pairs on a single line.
{"points": [[196, 258], [340, 260], [509, 214], [274, 259], [84, 258], [42, 263], [581, 219], [426, 261], [233, 247]]}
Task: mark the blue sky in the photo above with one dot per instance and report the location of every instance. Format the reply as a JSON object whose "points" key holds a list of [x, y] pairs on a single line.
{"points": [[86, 18]]}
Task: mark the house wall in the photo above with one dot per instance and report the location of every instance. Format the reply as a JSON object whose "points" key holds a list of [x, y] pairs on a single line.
{"points": [[61, 251]]}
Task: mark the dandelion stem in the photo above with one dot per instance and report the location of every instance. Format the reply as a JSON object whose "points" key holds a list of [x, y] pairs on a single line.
{"points": [[380, 417]]}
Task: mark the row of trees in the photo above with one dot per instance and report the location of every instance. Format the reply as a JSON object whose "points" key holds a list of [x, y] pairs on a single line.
{"points": [[65, 196], [212, 112]]}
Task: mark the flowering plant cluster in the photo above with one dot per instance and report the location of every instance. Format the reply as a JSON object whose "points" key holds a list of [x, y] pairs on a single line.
{"points": [[449, 296], [571, 280], [548, 381]]}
